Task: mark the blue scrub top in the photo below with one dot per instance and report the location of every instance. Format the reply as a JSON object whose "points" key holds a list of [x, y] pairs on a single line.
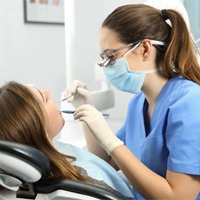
{"points": [[173, 140]]}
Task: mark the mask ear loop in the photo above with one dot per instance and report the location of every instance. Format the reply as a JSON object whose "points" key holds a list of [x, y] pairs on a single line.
{"points": [[133, 48], [156, 42]]}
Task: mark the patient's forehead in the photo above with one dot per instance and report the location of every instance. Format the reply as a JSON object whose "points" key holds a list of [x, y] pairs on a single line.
{"points": [[36, 92]]}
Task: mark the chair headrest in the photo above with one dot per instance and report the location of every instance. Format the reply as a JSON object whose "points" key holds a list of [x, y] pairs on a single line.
{"points": [[19, 162]]}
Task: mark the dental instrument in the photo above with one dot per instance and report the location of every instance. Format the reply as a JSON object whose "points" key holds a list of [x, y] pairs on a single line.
{"points": [[72, 112], [73, 93]]}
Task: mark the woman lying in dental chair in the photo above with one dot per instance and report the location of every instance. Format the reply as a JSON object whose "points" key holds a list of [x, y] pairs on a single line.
{"points": [[29, 116]]}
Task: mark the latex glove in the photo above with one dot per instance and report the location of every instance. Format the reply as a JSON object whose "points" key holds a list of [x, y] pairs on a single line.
{"points": [[82, 95], [98, 126]]}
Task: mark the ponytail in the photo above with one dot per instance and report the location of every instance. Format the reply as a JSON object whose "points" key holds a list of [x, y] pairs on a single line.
{"points": [[180, 57]]}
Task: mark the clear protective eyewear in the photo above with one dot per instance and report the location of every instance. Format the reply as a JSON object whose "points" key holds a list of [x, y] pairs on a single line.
{"points": [[109, 57]]}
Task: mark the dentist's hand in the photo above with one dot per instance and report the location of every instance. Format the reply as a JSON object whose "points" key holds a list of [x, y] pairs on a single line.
{"points": [[82, 95], [98, 126]]}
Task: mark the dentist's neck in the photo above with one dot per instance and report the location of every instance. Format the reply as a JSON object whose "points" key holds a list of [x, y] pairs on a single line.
{"points": [[152, 87]]}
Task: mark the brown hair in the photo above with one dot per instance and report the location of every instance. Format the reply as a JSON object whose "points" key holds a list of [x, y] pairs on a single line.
{"points": [[22, 121], [138, 21]]}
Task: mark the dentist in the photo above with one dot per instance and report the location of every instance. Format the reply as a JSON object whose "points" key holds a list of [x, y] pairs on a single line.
{"points": [[157, 148]]}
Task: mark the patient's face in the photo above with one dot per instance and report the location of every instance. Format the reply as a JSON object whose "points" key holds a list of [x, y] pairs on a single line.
{"points": [[55, 120]]}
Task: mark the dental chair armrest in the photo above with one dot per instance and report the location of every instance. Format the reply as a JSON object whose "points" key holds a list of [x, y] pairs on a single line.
{"points": [[77, 187]]}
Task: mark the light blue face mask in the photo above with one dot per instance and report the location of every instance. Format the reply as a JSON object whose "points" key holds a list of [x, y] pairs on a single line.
{"points": [[120, 76], [123, 79]]}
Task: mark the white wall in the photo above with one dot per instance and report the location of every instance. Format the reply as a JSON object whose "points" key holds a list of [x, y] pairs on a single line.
{"points": [[31, 53]]}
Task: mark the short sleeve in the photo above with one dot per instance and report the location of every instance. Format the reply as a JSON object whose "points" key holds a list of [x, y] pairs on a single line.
{"points": [[183, 133]]}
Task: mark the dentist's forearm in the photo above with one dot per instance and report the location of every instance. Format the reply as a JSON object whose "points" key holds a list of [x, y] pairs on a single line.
{"points": [[94, 147], [151, 185]]}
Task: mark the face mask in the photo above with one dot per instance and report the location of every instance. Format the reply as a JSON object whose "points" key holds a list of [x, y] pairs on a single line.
{"points": [[120, 76], [123, 79]]}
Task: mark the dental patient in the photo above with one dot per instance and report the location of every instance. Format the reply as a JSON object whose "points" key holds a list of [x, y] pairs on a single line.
{"points": [[30, 116]]}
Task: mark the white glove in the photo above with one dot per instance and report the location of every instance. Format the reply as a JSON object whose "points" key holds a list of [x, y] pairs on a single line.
{"points": [[82, 95], [98, 126]]}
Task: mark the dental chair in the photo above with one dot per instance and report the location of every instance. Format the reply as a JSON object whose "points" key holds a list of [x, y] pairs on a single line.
{"points": [[21, 170]]}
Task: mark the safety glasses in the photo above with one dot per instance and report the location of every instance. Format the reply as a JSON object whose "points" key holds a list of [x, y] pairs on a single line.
{"points": [[109, 57]]}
